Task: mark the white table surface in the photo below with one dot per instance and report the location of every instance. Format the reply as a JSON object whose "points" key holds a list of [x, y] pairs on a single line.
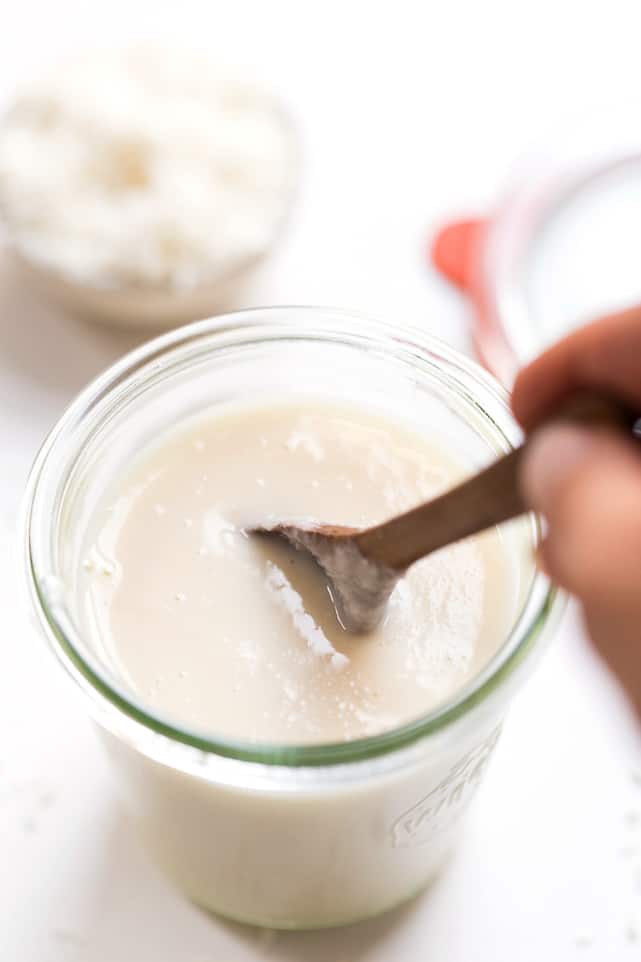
{"points": [[409, 112]]}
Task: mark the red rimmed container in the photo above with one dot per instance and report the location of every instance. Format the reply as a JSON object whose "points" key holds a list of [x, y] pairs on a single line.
{"points": [[561, 247]]}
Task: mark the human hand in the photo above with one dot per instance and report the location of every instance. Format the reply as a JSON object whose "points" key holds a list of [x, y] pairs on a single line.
{"points": [[587, 484]]}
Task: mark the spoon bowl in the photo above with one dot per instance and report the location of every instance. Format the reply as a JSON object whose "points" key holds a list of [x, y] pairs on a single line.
{"points": [[363, 565]]}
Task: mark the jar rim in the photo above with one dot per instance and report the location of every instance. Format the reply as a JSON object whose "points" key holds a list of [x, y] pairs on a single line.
{"points": [[460, 375]]}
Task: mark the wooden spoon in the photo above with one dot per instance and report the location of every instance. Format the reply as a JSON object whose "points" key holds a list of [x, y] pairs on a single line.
{"points": [[363, 565]]}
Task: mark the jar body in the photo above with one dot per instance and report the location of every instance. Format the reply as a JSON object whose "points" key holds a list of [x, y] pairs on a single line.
{"points": [[341, 846]]}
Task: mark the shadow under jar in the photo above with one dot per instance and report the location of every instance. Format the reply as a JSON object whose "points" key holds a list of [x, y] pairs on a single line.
{"points": [[285, 835]]}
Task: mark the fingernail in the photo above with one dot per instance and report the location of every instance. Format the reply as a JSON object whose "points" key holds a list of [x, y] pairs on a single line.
{"points": [[553, 455]]}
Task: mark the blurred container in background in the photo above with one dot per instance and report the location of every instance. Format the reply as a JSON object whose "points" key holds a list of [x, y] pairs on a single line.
{"points": [[142, 186], [560, 249]]}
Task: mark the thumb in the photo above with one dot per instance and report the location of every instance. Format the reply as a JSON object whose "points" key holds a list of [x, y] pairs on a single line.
{"points": [[587, 484]]}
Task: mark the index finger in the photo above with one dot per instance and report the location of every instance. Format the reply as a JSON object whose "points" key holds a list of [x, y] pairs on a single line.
{"points": [[605, 355]]}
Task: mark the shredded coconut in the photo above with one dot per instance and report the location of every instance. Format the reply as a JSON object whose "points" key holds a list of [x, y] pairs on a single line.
{"points": [[289, 599], [144, 168], [307, 442], [218, 533]]}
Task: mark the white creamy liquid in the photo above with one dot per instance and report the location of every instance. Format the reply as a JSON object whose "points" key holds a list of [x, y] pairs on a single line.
{"points": [[236, 635]]}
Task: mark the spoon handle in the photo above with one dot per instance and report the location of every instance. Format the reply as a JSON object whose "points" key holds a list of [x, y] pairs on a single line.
{"points": [[486, 499]]}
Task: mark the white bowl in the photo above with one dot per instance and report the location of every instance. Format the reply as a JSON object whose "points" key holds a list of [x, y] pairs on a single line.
{"points": [[113, 168]]}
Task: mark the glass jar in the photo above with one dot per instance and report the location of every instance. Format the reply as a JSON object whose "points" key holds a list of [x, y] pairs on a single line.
{"points": [[280, 835], [560, 247]]}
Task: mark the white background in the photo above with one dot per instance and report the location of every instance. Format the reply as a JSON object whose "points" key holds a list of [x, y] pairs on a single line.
{"points": [[409, 112]]}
